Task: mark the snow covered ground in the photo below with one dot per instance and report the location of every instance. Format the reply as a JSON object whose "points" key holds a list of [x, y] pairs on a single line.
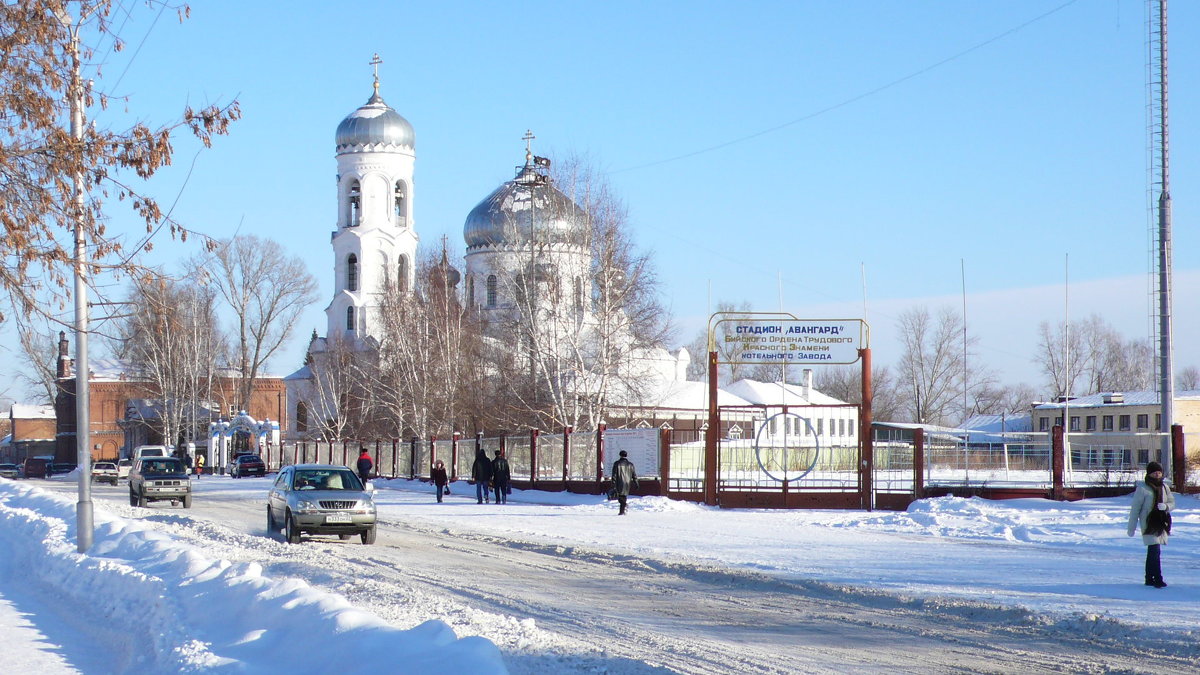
{"points": [[149, 598]]}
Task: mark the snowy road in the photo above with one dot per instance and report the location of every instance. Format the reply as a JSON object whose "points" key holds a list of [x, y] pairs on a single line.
{"points": [[555, 606]]}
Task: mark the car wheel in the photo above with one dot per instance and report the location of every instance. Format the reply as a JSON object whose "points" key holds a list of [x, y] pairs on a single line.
{"points": [[141, 499], [272, 526], [368, 536], [187, 501], [290, 530], [132, 498]]}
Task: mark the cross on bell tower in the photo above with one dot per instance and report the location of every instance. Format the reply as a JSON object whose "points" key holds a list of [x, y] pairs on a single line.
{"points": [[375, 61]]}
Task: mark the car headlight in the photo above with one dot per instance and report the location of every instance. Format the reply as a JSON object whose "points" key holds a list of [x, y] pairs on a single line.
{"points": [[306, 506], [368, 506]]}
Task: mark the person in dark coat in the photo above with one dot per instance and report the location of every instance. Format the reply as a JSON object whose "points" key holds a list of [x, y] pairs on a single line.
{"points": [[438, 474], [1151, 508], [500, 477], [481, 473], [364, 465], [624, 478]]}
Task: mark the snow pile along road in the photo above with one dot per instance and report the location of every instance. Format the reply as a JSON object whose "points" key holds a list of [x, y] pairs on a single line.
{"points": [[166, 607]]}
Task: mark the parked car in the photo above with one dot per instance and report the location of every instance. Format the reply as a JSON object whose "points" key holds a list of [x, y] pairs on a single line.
{"points": [[151, 451], [321, 499], [36, 467], [62, 467], [159, 479], [104, 472], [247, 465], [9, 470], [123, 466]]}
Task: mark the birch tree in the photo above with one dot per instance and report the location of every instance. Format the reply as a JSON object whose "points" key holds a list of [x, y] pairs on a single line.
{"points": [[931, 371]]}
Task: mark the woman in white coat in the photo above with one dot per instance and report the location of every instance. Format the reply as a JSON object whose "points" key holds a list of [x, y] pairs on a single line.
{"points": [[1152, 504]]}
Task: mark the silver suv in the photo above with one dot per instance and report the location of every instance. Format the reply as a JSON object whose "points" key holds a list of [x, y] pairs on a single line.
{"points": [[321, 499], [158, 479]]}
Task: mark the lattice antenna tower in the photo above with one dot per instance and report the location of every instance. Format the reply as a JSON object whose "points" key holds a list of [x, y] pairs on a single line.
{"points": [[1159, 198]]}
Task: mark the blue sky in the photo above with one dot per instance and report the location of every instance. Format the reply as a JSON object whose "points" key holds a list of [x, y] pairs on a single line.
{"points": [[909, 140]]}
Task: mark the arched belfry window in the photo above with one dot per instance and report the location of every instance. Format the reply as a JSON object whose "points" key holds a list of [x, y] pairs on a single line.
{"points": [[384, 272], [352, 273], [301, 417], [350, 318], [491, 290], [355, 215], [470, 291], [402, 274], [400, 203]]}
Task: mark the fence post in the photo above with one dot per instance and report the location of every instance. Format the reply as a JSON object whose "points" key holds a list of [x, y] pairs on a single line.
{"points": [[1178, 458], [918, 461], [412, 457], [345, 457], [1056, 462], [664, 460], [432, 453], [566, 456], [454, 456], [395, 457], [600, 454], [533, 458], [376, 457]]}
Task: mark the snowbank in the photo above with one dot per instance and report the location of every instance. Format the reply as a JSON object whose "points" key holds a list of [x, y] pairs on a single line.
{"points": [[165, 607]]}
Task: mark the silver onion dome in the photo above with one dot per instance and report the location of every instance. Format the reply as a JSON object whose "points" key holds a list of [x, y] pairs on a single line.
{"points": [[526, 209], [374, 123]]}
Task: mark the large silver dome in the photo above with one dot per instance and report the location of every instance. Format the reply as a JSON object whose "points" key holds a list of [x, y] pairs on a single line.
{"points": [[526, 209], [373, 124]]}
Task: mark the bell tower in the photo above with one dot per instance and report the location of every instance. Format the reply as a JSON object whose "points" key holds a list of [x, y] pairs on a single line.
{"points": [[375, 241]]}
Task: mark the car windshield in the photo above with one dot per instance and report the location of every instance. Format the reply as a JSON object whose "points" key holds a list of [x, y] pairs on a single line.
{"points": [[249, 459], [160, 467], [105, 465], [326, 479]]}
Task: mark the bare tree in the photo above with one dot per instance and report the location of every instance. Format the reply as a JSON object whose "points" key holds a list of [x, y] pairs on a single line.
{"points": [[39, 354], [267, 290], [726, 372], [1188, 379], [845, 384], [931, 370], [1097, 357], [55, 178], [171, 340], [337, 398]]}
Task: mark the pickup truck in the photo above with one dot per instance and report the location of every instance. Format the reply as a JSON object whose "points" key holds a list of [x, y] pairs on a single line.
{"points": [[104, 472]]}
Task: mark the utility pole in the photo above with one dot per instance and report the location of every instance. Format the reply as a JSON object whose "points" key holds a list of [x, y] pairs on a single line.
{"points": [[1160, 160], [83, 509]]}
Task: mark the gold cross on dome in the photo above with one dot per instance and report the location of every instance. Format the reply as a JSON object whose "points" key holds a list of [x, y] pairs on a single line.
{"points": [[527, 138]]}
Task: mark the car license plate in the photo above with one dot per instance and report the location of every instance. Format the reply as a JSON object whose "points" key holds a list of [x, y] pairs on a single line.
{"points": [[338, 518]]}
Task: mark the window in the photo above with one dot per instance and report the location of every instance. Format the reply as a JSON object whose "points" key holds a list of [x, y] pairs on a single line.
{"points": [[1158, 421], [820, 427], [301, 417], [491, 290], [402, 274], [577, 295], [850, 428], [1143, 421], [1058, 421], [1043, 424], [1091, 423], [1107, 421], [470, 291], [1143, 456], [355, 204], [1123, 422], [400, 203], [352, 273], [349, 318], [841, 427], [1074, 423]]}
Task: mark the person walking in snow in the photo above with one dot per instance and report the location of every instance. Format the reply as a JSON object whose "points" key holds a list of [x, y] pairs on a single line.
{"points": [[199, 464], [439, 477], [481, 473], [364, 465], [624, 478], [500, 477], [1151, 509]]}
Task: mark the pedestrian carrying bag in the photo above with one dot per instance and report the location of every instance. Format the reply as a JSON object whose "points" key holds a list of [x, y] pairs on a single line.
{"points": [[612, 494], [446, 490]]}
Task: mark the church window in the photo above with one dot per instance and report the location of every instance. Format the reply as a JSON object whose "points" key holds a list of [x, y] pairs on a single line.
{"points": [[384, 273], [491, 290], [301, 417], [349, 318], [402, 274], [577, 295], [400, 200], [470, 291], [352, 273], [355, 204]]}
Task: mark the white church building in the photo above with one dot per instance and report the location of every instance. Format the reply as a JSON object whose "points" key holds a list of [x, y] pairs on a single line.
{"points": [[526, 227]]}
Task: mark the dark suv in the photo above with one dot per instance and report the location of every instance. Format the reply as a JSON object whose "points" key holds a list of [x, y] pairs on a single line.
{"points": [[158, 479], [247, 465]]}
